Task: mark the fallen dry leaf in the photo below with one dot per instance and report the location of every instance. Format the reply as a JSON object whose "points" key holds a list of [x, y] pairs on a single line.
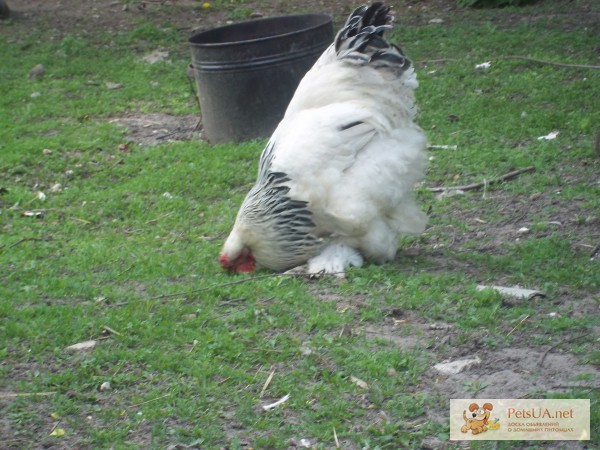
{"points": [[155, 56], [57, 432], [36, 72]]}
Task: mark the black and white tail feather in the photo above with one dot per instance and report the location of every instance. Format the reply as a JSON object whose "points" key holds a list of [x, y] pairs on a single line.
{"points": [[361, 40], [334, 182]]}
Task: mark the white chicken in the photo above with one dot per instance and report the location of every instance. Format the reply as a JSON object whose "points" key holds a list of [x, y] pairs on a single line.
{"points": [[335, 180]]}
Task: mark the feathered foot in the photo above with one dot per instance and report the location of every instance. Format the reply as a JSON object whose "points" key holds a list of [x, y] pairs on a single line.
{"points": [[302, 271], [333, 260]]}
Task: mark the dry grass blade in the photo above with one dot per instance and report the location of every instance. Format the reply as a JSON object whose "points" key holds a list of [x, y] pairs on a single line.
{"points": [[518, 325], [266, 385], [27, 394], [149, 401]]}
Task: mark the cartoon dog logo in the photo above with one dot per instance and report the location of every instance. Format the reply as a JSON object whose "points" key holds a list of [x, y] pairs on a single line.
{"points": [[478, 419]]}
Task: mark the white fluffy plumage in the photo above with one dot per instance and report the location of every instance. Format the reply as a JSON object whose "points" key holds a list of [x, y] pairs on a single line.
{"points": [[335, 180]]}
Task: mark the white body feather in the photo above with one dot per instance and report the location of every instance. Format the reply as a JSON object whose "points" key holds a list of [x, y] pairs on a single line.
{"points": [[350, 149]]}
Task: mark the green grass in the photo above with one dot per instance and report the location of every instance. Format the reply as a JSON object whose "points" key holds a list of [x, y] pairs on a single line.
{"points": [[194, 347]]}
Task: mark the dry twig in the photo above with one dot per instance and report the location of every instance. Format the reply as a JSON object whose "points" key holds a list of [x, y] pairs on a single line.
{"points": [[26, 239], [549, 63], [110, 330], [484, 183]]}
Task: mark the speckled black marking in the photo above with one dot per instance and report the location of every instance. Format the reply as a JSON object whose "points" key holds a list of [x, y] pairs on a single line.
{"points": [[269, 207], [350, 125]]}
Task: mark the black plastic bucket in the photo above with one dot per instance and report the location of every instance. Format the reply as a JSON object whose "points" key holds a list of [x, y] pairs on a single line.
{"points": [[247, 72]]}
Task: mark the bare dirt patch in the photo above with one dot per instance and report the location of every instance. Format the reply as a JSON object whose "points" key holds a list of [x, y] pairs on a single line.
{"points": [[514, 372], [149, 130]]}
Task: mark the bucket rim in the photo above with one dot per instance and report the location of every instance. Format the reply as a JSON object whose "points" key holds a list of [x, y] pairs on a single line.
{"points": [[326, 20]]}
